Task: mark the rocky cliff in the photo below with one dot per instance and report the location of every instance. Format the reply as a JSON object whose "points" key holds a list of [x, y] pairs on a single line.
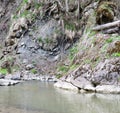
{"points": [[59, 38]]}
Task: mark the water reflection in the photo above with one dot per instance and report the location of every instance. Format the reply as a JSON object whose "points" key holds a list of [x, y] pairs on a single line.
{"points": [[92, 102], [36, 97]]}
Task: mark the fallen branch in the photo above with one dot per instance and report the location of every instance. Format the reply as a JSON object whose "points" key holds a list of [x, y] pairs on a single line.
{"points": [[106, 26], [112, 30]]}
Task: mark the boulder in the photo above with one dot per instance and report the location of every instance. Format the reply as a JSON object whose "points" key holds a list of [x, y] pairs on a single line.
{"points": [[1, 76], [16, 76], [8, 77], [107, 72], [83, 83], [5, 82], [114, 47], [108, 89], [29, 66], [65, 85]]}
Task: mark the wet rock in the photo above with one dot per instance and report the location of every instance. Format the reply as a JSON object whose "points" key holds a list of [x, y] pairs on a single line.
{"points": [[13, 76], [16, 76], [65, 85], [47, 78], [29, 66], [8, 76], [1, 76], [4, 82], [26, 75], [105, 75], [83, 83], [108, 89]]}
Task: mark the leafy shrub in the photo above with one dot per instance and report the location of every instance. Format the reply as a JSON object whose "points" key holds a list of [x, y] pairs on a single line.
{"points": [[116, 54], [34, 71], [3, 71], [109, 40]]}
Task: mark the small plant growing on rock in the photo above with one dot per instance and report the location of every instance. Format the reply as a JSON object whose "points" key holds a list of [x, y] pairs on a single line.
{"points": [[70, 27], [48, 40], [25, 1], [38, 5], [116, 54], [33, 71], [3, 71], [109, 40], [63, 69], [73, 51], [40, 40]]}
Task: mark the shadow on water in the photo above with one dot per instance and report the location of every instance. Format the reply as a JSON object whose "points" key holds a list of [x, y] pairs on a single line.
{"points": [[36, 97]]}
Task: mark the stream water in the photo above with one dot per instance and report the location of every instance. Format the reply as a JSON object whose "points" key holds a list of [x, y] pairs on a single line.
{"points": [[37, 97]]}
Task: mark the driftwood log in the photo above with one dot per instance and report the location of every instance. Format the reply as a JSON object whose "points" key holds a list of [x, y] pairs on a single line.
{"points": [[107, 26], [111, 30]]}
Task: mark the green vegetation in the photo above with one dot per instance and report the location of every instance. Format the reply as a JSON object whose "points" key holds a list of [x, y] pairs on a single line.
{"points": [[113, 38], [116, 54], [34, 62], [37, 5], [48, 40], [87, 61], [73, 66], [73, 51], [3, 71], [70, 26], [45, 40], [91, 33], [63, 69], [15, 68], [40, 40], [109, 40], [25, 1], [34, 71], [26, 13]]}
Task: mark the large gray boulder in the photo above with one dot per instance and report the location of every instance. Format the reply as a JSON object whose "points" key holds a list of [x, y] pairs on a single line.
{"points": [[66, 86], [83, 83], [107, 72], [108, 89]]}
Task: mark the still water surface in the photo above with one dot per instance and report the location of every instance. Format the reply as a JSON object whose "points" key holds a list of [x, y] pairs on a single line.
{"points": [[36, 97]]}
